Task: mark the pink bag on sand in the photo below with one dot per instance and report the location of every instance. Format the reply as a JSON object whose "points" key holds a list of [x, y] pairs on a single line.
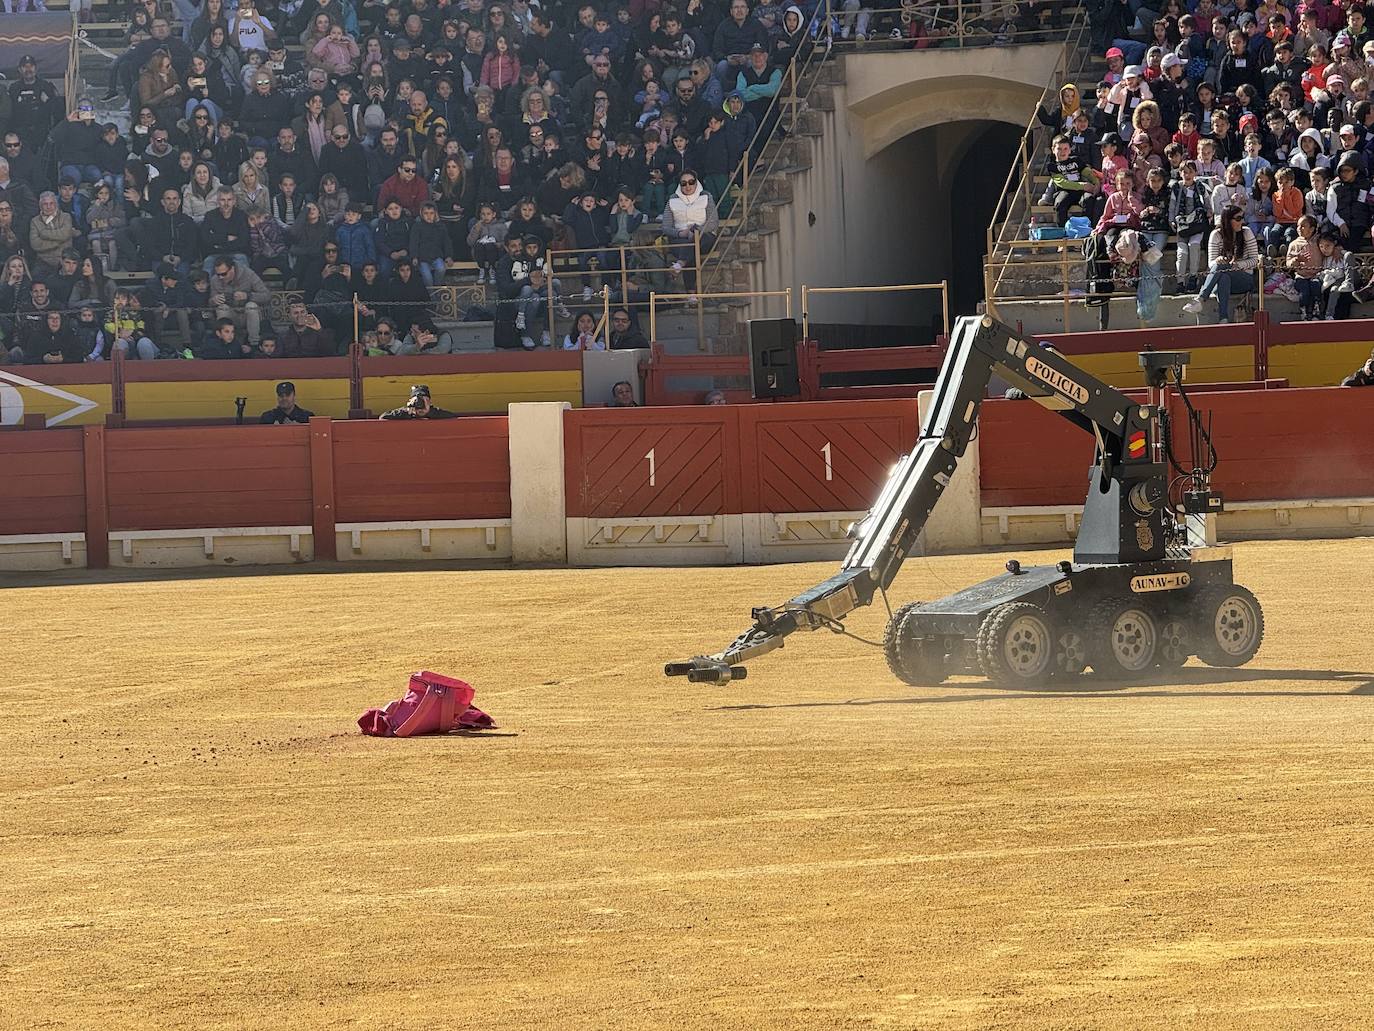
{"points": [[434, 704]]}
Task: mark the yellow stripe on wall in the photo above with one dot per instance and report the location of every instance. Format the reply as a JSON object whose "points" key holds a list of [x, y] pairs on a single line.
{"points": [[207, 399], [18, 399], [476, 392], [1317, 365], [1231, 364]]}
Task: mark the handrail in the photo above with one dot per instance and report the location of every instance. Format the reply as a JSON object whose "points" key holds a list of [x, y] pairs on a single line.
{"points": [[1015, 190], [963, 24], [807, 291], [816, 54]]}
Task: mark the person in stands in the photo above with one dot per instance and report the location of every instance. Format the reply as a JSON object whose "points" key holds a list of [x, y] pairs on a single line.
{"points": [[286, 409]]}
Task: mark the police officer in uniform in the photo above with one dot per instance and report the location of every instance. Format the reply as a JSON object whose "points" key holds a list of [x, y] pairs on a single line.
{"points": [[419, 407], [287, 410]]}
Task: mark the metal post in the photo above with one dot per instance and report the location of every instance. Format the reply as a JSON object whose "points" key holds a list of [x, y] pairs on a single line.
{"points": [[959, 14], [624, 280], [1064, 285], [805, 313], [787, 301], [357, 336], [944, 303], [701, 316], [1261, 281], [548, 278], [606, 316]]}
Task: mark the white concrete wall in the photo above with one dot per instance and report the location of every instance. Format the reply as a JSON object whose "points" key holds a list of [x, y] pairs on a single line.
{"points": [[538, 495]]}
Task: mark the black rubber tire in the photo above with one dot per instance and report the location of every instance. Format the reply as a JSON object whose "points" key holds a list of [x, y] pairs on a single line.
{"points": [[1011, 627], [1070, 653], [1243, 642], [909, 657], [1175, 641], [892, 646], [1107, 642]]}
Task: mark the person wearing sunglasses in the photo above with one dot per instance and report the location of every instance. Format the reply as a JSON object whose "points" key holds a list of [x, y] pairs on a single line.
{"points": [[690, 221], [407, 188], [1232, 257]]}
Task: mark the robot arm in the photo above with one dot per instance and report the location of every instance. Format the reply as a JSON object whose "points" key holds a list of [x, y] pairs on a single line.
{"points": [[979, 348]]}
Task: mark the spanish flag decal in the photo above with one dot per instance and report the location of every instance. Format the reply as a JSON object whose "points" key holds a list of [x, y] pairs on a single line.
{"points": [[1135, 446]]}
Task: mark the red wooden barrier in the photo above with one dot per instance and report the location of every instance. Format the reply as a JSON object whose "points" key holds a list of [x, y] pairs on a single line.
{"points": [[452, 469], [651, 461], [1308, 443], [733, 459], [832, 457], [167, 479], [1030, 456], [42, 482]]}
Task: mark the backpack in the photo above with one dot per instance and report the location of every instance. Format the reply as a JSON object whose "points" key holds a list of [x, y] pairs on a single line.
{"points": [[433, 704]]}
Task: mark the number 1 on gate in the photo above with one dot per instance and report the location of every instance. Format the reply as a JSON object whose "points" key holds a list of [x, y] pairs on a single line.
{"points": [[826, 452], [650, 457]]}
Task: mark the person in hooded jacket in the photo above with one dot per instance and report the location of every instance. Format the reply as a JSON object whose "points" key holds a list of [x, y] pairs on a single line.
{"points": [[689, 216], [793, 43], [1308, 155]]}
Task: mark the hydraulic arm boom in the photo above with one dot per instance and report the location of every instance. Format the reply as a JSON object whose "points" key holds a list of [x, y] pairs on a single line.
{"points": [[1129, 478]]}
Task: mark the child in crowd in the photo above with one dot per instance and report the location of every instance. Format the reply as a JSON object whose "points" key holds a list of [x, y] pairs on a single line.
{"points": [[485, 240], [1317, 196], [105, 218], [268, 243], [1253, 160], [430, 245], [286, 202], [1187, 136], [1304, 261], [393, 237], [1209, 166], [1259, 205], [1191, 221], [1289, 206], [1337, 272], [1231, 191]]}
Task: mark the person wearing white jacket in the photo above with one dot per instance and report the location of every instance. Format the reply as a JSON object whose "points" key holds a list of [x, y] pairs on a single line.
{"points": [[690, 213]]}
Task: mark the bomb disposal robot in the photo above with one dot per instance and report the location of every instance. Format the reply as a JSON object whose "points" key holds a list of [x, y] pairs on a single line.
{"points": [[1143, 590]]}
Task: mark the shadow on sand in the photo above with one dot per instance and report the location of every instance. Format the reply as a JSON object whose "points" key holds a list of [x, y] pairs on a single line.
{"points": [[1178, 684]]}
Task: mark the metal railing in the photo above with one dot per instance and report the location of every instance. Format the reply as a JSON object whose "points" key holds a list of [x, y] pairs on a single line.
{"points": [[807, 292], [921, 24], [799, 70], [655, 298], [1017, 199]]}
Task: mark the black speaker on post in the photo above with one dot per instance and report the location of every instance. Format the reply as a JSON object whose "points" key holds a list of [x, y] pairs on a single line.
{"points": [[773, 358]]}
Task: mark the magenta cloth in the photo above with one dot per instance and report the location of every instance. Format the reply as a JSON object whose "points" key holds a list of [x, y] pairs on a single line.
{"points": [[433, 704]]}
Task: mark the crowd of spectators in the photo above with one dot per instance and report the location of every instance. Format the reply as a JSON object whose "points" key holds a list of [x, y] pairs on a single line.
{"points": [[1240, 131], [346, 147]]}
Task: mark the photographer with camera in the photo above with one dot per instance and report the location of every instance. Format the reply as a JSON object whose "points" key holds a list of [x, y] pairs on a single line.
{"points": [[419, 407]]}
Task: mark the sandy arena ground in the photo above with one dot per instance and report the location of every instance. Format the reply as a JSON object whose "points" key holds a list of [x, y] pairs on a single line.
{"points": [[194, 835]]}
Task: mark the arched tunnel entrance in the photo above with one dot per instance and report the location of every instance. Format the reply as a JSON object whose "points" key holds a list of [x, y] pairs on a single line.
{"points": [[921, 215], [963, 165]]}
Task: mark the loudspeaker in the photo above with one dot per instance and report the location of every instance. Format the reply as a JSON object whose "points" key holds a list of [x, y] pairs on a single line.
{"points": [[773, 358]]}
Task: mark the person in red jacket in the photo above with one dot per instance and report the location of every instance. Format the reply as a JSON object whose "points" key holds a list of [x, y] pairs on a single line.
{"points": [[406, 188]]}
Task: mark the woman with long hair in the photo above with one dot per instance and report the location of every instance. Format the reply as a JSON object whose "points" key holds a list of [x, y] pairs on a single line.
{"points": [[135, 190], [212, 14], [333, 199], [160, 89], [200, 132], [204, 89], [15, 284], [308, 235], [198, 196], [93, 285], [1232, 257], [452, 198], [218, 47]]}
